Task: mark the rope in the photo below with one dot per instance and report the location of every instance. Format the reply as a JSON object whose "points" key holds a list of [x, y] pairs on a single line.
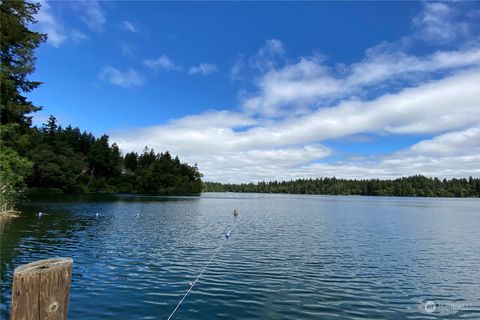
{"points": [[200, 274]]}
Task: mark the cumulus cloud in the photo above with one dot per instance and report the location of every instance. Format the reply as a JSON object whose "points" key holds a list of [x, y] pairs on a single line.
{"points": [[452, 154], [446, 167], [461, 142], [309, 82], [213, 118], [440, 22], [161, 63], [435, 21], [223, 141], [285, 128], [126, 79], [203, 69]]}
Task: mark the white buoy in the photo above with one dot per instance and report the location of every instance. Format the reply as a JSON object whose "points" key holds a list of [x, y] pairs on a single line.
{"points": [[40, 214], [138, 214], [96, 214]]}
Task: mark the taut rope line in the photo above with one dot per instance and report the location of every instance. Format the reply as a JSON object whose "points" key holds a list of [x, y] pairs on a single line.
{"points": [[227, 235]]}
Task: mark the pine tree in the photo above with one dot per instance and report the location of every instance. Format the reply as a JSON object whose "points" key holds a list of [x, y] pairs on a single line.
{"points": [[17, 46]]}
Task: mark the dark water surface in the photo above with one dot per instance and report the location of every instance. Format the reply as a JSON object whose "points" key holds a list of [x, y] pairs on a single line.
{"points": [[289, 256]]}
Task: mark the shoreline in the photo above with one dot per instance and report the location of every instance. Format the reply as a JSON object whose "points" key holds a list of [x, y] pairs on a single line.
{"points": [[8, 215]]}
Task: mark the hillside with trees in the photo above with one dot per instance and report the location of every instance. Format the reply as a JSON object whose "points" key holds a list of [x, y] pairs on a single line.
{"points": [[56, 159], [69, 160], [415, 186]]}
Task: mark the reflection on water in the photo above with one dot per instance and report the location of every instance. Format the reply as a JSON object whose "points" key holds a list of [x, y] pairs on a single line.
{"points": [[290, 256]]}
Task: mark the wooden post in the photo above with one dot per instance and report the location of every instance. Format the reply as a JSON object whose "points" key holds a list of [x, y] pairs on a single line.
{"points": [[41, 289]]}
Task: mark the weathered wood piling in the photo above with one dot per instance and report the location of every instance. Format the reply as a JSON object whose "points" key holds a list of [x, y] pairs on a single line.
{"points": [[41, 290]]}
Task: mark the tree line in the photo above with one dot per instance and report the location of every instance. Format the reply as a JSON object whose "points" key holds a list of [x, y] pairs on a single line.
{"points": [[53, 158], [57, 159], [414, 186], [73, 161]]}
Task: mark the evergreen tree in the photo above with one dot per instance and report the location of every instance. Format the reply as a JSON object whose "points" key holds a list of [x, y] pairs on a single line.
{"points": [[17, 62], [17, 45], [131, 161]]}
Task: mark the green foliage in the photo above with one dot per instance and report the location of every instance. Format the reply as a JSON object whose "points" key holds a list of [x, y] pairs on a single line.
{"points": [[72, 161], [13, 170], [17, 45], [131, 161], [415, 186], [160, 174], [52, 158]]}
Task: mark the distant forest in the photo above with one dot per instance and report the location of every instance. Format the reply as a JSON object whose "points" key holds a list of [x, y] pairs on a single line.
{"points": [[415, 186]]}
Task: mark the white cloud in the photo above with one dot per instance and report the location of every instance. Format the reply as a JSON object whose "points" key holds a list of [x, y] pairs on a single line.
{"points": [[308, 82], [217, 119], [92, 14], [127, 79], [446, 23], [127, 49], [286, 86], [237, 68], [129, 26], [216, 143], [267, 57], [447, 167], [49, 24], [203, 69], [437, 22], [300, 106], [58, 32], [161, 63], [288, 156], [452, 154], [461, 142], [78, 36]]}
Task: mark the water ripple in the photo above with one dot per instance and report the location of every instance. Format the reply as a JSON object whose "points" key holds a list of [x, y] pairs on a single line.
{"points": [[300, 257]]}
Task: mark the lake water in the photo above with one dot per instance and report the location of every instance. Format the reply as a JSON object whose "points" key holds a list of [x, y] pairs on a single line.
{"points": [[288, 256]]}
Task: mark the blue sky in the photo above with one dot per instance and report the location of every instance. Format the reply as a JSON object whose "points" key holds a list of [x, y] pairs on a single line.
{"points": [[271, 90]]}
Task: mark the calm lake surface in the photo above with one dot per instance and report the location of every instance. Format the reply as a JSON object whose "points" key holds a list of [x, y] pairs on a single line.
{"points": [[288, 257]]}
